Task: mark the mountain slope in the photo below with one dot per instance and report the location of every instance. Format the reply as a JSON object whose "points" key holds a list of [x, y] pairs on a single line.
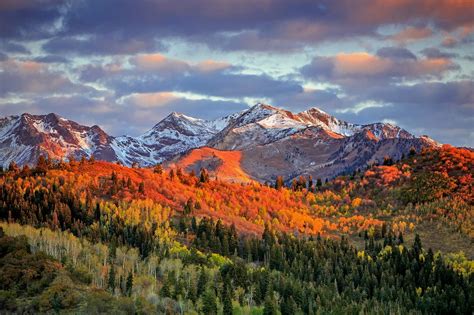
{"points": [[269, 141], [174, 135], [277, 142], [24, 138]]}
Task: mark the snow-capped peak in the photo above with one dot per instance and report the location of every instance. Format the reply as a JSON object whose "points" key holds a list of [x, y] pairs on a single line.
{"points": [[23, 138]]}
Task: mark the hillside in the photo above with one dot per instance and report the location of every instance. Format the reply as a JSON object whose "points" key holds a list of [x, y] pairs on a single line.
{"points": [[152, 240], [226, 165], [437, 183]]}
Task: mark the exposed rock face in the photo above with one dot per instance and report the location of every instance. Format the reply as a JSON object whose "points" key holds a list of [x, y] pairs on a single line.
{"points": [[174, 135], [269, 142], [277, 142], [24, 138]]}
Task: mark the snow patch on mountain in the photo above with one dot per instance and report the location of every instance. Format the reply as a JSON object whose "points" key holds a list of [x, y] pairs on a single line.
{"points": [[23, 138], [174, 135]]}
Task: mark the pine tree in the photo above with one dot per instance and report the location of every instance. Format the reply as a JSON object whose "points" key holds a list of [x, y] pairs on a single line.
{"points": [[188, 207], [209, 304], [112, 252], [400, 238], [417, 247], [202, 281], [111, 281], [319, 183], [387, 161], [270, 307], [227, 298], [141, 188], [129, 284], [165, 289], [288, 306]]}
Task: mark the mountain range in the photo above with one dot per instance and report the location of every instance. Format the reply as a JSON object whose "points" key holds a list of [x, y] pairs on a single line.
{"points": [[257, 144]]}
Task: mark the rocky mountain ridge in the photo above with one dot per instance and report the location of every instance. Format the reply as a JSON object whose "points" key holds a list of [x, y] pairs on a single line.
{"points": [[270, 141]]}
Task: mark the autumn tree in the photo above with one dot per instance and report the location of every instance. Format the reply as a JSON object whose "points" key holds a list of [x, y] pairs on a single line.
{"points": [[158, 169], [279, 183]]}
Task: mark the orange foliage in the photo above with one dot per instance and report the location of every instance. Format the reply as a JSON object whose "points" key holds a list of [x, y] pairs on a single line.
{"points": [[227, 167], [249, 206]]}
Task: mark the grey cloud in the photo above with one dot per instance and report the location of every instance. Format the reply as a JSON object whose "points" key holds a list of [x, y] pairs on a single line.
{"points": [[247, 25], [52, 59], [435, 53], [396, 53], [109, 44], [12, 47], [32, 78]]}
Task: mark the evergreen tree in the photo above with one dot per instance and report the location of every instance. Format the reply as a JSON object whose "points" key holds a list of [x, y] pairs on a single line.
{"points": [[141, 188], [387, 161], [227, 298], [417, 245], [400, 238], [188, 207], [209, 304], [270, 307], [112, 252], [129, 284], [319, 183], [165, 289], [202, 281], [111, 280]]}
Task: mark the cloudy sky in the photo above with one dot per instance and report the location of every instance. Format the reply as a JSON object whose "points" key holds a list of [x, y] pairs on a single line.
{"points": [[126, 64]]}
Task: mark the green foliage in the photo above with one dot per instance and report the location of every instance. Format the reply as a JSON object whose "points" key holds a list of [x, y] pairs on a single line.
{"points": [[209, 304], [425, 187], [131, 256]]}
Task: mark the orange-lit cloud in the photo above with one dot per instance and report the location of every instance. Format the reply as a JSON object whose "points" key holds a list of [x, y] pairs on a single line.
{"points": [[411, 34], [162, 64], [362, 66], [212, 65], [158, 62], [150, 100]]}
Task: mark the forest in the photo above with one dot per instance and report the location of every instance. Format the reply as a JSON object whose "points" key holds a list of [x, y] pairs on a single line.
{"points": [[93, 237]]}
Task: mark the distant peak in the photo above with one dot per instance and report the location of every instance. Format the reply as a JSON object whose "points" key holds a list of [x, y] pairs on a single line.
{"points": [[182, 116], [52, 117], [175, 116], [26, 115], [263, 106], [316, 110]]}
